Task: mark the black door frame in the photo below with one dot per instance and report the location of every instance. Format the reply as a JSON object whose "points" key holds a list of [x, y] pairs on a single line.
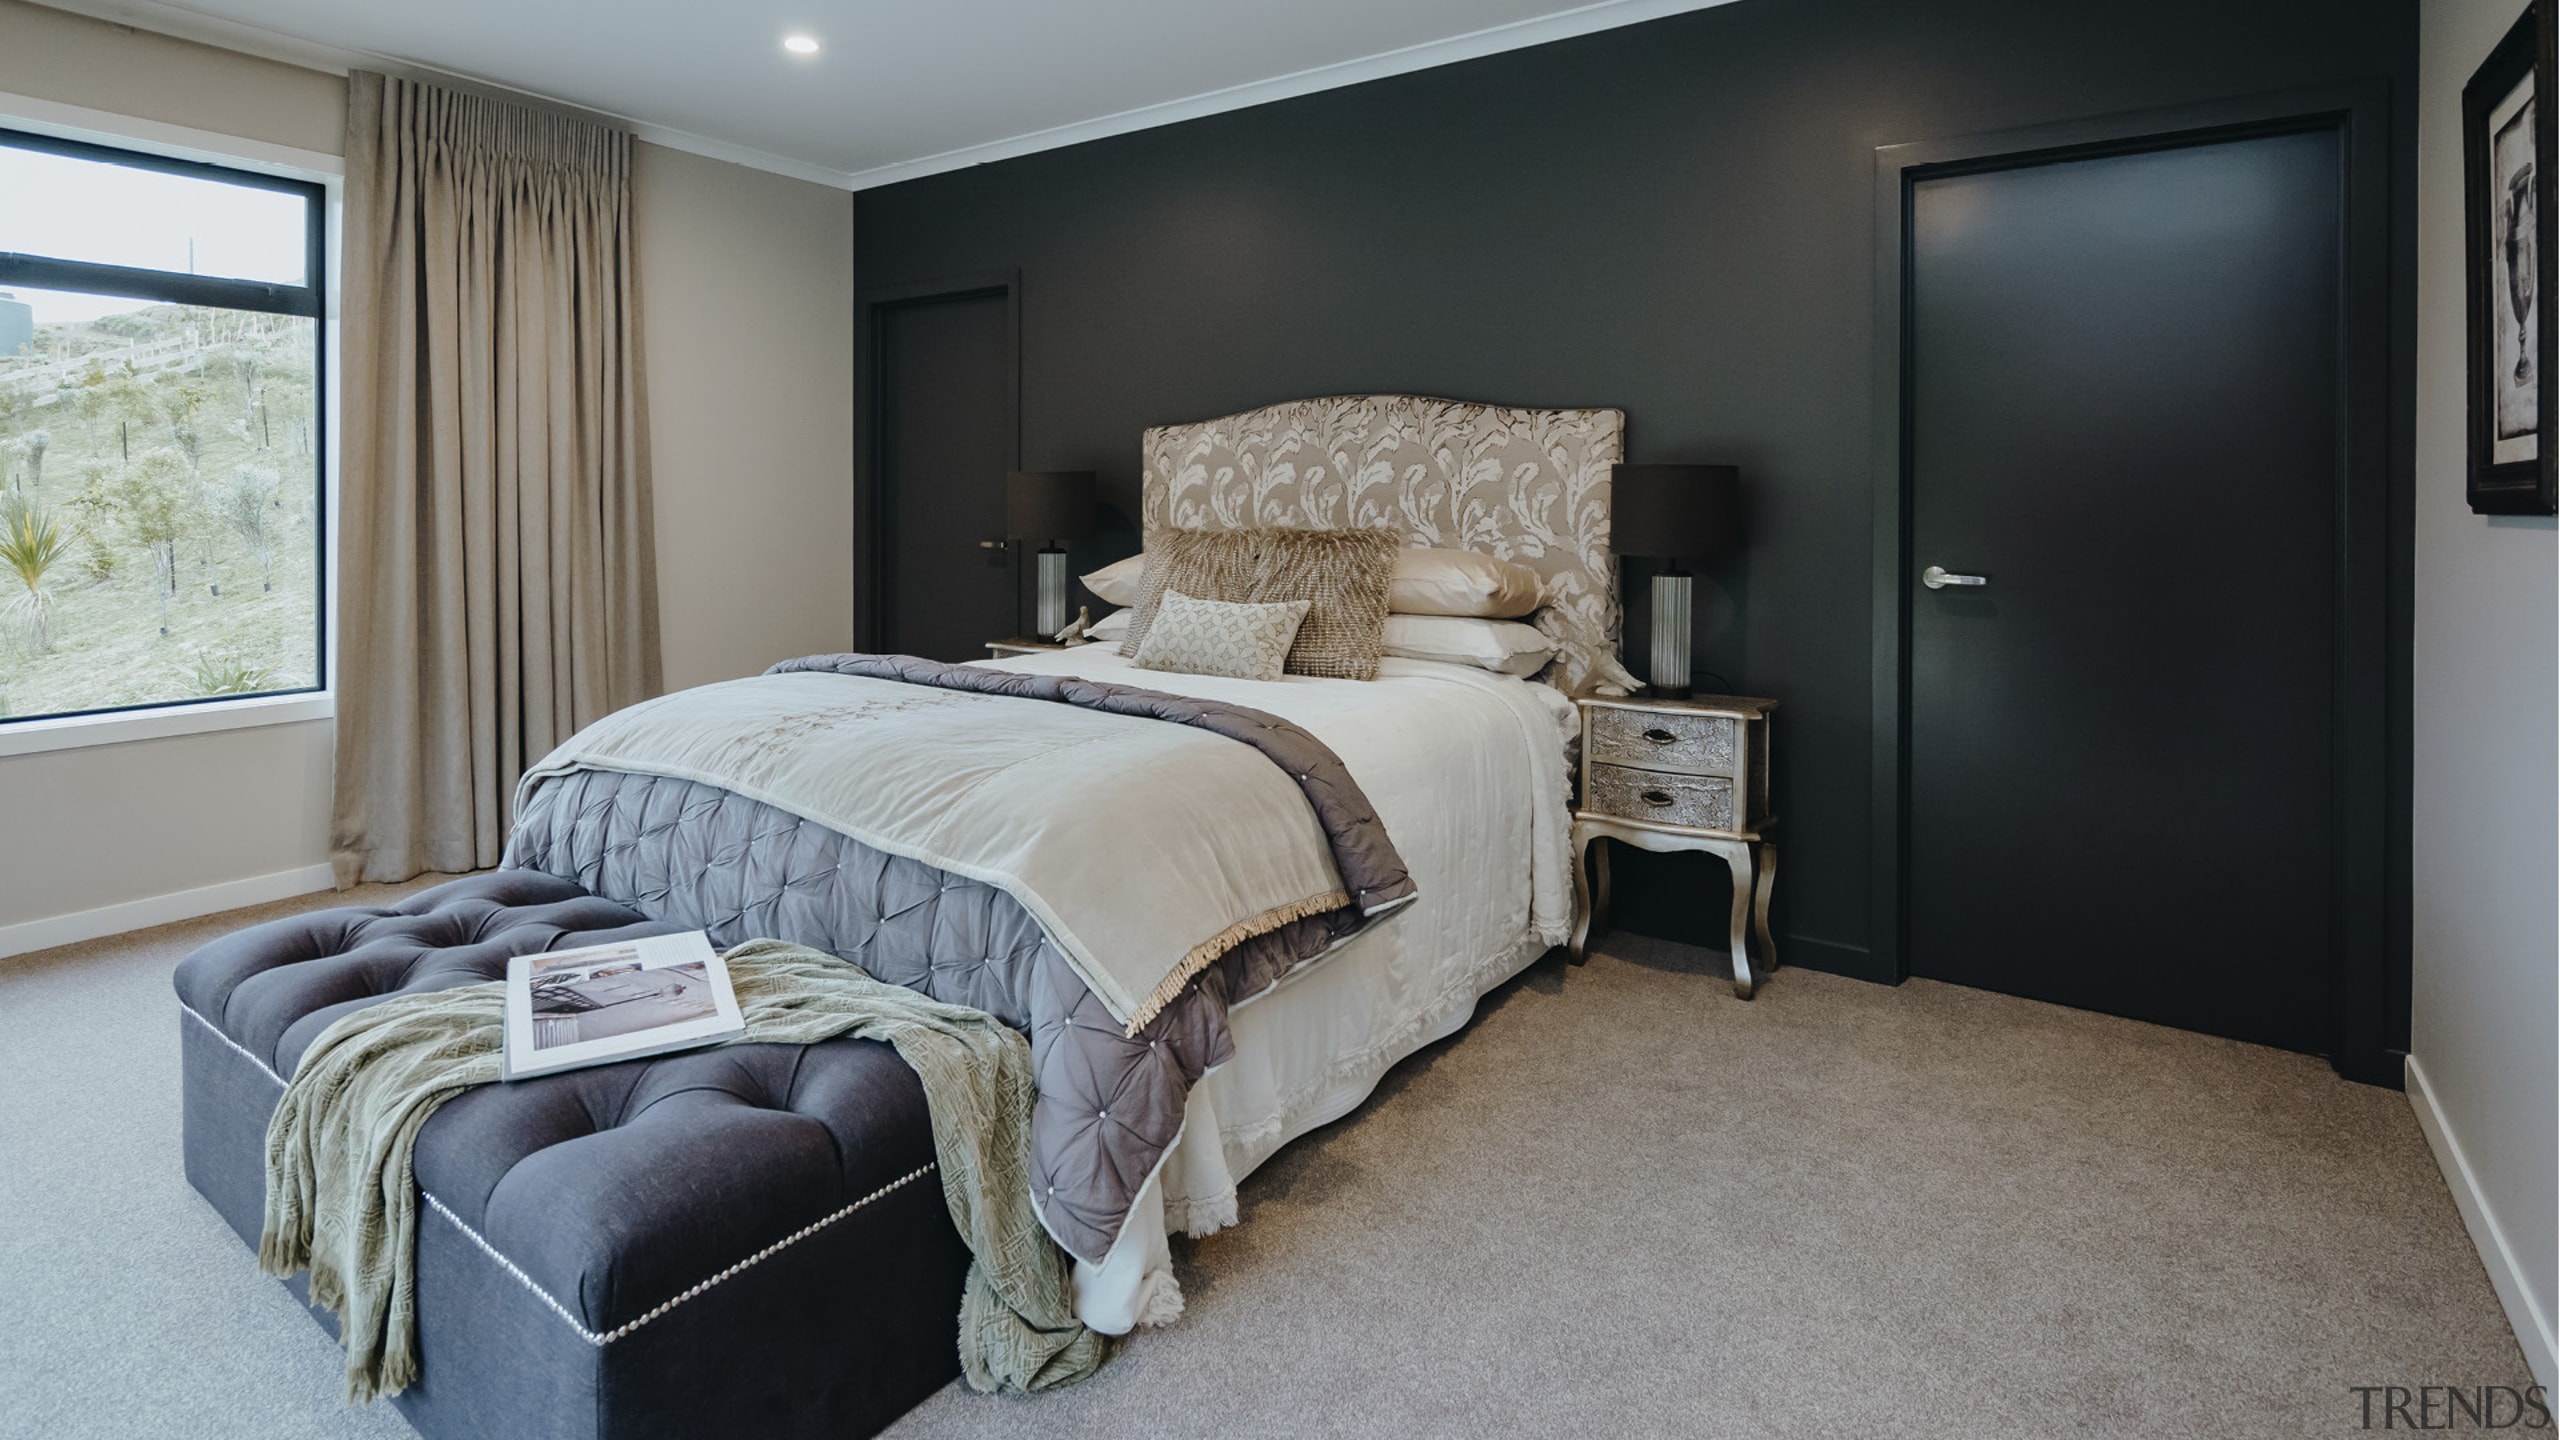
{"points": [[2372, 522], [870, 532]]}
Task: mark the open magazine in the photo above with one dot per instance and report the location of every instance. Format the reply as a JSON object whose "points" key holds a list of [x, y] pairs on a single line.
{"points": [[612, 1002]]}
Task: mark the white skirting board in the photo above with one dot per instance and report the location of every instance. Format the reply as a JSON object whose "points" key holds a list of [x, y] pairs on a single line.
{"points": [[152, 910], [2532, 1326]]}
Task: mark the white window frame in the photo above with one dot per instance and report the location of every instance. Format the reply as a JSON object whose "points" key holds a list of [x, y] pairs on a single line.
{"points": [[99, 127]]}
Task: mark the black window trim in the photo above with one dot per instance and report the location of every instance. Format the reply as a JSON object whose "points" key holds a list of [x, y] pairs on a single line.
{"points": [[53, 272], [46, 272]]}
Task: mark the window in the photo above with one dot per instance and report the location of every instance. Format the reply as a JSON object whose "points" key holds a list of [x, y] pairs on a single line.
{"points": [[162, 528]]}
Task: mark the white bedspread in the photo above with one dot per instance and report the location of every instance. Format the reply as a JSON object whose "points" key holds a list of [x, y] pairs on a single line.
{"points": [[1027, 795], [1467, 771]]}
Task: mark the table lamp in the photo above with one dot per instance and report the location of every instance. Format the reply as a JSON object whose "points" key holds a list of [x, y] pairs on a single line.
{"points": [[1673, 513], [1049, 507]]}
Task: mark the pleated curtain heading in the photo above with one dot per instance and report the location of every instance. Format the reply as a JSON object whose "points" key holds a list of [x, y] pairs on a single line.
{"points": [[497, 584]]}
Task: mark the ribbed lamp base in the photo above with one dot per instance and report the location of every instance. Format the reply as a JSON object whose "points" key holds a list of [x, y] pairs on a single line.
{"points": [[1671, 599], [1052, 615]]}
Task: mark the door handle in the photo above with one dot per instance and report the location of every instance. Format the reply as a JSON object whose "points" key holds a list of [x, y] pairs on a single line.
{"points": [[996, 544], [1937, 577]]}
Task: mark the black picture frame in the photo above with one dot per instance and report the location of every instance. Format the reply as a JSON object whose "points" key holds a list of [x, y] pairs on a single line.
{"points": [[2513, 461]]}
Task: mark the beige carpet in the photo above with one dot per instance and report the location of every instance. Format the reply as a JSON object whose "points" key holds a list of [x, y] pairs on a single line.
{"points": [[1622, 1203], [127, 1308]]}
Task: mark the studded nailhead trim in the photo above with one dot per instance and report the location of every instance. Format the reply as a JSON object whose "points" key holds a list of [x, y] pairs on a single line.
{"points": [[607, 1337], [245, 1052], [492, 1251]]}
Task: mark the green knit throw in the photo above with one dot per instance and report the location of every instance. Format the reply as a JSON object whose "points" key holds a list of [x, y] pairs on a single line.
{"points": [[341, 1201]]}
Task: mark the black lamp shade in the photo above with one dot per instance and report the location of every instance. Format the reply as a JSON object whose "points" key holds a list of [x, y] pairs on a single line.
{"points": [[1045, 505], [1674, 512]]}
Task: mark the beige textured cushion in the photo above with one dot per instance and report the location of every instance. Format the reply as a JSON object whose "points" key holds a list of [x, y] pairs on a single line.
{"points": [[1203, 564], [1344, 575], [1458, 582], [1216, 637], [1117, 582]]}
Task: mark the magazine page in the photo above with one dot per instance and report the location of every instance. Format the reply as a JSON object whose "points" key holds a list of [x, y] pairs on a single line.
{"points": [[614, 1002]]}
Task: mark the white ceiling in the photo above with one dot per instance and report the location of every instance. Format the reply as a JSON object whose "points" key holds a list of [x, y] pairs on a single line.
{"points": [[901, 87]]}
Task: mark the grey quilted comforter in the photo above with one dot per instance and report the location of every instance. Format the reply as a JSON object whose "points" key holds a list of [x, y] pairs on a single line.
{"points": [[1110, 1102]]}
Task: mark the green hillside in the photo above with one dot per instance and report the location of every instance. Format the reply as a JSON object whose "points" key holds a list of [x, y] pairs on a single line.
{"points": [[163, 461]]}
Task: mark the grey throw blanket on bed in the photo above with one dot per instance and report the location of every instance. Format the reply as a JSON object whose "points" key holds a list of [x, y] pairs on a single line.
{"points": [[341, 1201]]}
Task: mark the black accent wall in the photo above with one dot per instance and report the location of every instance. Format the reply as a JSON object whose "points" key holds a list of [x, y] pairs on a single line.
{"points": [[1675, 218]]}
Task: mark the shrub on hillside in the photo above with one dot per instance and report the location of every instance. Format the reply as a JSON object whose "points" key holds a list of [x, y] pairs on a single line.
{"points": [[33, 544]]}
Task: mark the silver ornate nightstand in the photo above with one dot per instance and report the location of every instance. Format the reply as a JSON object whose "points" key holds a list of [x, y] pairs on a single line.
{"points": [[1677, 775], [1024, 645]]}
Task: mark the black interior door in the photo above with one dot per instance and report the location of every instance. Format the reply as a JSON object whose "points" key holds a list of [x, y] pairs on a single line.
{"points": [[946, 438], [2123, 401]]}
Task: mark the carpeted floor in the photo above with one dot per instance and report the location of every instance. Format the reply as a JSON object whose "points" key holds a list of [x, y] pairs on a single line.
{"points": [[127, 1308], [1621, 1203]]}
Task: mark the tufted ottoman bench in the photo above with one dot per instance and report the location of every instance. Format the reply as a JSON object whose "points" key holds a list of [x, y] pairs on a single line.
{"points": [[742, 1241]]}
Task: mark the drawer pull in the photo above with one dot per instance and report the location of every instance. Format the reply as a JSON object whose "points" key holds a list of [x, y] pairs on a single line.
{"points": [[1660, 736], [1657, 797]]}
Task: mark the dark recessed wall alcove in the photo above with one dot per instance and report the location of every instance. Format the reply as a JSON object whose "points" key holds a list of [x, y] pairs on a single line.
{"points": [[1675, 218]]}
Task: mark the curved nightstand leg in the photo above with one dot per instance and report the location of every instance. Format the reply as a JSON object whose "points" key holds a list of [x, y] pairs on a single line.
{"points": [[1575, 948], [1768, 868], [1600, 886], [1737, 858]]}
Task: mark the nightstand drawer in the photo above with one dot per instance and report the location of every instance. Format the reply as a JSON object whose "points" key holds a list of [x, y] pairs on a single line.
{"points": [[1701, 802], [1662, 740]]}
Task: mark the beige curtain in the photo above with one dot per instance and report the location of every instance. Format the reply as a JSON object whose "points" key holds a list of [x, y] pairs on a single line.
{"points": [[497, 588]]}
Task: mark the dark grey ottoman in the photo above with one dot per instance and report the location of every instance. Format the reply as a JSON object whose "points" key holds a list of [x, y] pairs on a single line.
{"points": [[743, 1241]]}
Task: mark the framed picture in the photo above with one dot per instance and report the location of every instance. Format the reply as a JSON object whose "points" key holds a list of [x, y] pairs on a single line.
{"points": [[2509, 242]]}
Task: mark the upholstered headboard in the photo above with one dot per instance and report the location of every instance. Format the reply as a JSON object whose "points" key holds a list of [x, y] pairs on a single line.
{"points": [[1525, 485]]}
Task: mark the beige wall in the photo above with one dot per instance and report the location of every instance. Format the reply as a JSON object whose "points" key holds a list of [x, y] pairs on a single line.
{"points": [[747, 296], [248, 810], [747, 317], [2487, 764], [78, 61], [129, 823]]}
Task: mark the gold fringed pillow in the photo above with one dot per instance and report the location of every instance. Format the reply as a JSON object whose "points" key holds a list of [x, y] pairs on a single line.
{"points": [[1343, 575]]}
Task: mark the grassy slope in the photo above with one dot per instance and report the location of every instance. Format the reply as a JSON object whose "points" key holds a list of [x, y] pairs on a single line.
{"points": [[107, 646]]}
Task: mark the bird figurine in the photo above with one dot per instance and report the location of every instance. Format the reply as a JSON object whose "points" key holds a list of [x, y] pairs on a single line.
{"points": [[1074, 634]]}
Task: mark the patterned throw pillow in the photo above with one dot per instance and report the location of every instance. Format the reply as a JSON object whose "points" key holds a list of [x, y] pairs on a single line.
{"points": [[1343, 575], [1218, 637]]}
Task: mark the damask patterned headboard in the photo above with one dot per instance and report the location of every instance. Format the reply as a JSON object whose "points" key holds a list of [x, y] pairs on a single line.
{"points": [[1524, 485]]}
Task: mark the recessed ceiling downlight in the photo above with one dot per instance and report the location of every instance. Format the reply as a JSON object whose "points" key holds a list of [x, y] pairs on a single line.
{"points": [[800, 44]]}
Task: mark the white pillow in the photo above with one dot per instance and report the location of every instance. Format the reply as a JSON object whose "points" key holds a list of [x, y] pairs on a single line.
{"points": [[1506, 647], [1428, 582], [1221, 637], [1109, 627], [1461, 582], [1117, 582]]}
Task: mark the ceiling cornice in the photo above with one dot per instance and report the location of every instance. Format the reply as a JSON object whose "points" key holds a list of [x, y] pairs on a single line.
{"points": [[185, 23], [188, 23], [1518, 35]]}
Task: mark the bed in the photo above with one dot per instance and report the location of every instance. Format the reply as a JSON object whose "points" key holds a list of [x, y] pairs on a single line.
{"points": [[1465, 769]]}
